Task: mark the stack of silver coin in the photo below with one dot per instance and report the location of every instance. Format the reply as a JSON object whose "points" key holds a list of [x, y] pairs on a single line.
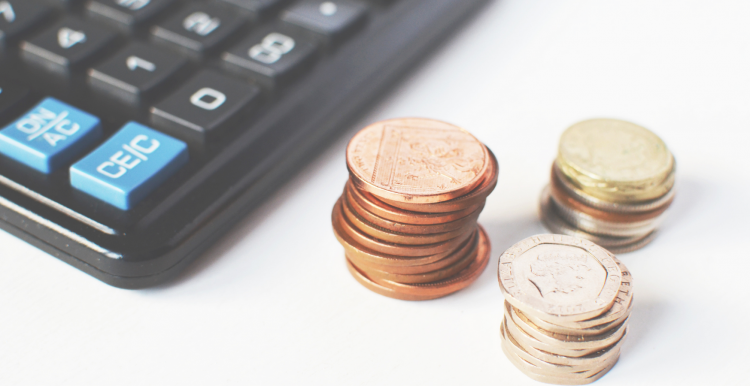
{"points": [[611, 183], [567, 305]]}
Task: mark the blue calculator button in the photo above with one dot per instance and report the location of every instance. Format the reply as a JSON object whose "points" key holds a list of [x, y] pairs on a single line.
{"points": [[49, 135], [129, 166]]}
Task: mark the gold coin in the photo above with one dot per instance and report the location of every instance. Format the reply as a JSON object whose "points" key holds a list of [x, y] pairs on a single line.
{"points": [[563, 199], [615, 160], [559, 278], [416, 160], [615, 207]]}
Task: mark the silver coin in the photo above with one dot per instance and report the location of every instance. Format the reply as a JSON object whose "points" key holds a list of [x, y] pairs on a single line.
{"points": [[599, 227], [556, 224]]}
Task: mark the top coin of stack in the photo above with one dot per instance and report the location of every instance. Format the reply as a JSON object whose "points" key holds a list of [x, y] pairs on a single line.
{"points": [[407, 218], [611, 183], [567, 304]]}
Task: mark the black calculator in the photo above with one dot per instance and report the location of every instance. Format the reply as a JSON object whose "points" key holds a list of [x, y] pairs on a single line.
{"points": [[135, 133]]}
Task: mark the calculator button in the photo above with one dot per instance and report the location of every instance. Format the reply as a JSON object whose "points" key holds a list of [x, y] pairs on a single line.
{"points": [[258, 8], [332, 20], [49, 135], [126, 13], [68, 45], [129, 166], [135, 72], [12, 98], [18, 16], [198, 28], [272, 56], [205, 104]]}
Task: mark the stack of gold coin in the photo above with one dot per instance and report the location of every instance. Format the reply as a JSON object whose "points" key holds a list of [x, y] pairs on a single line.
{"points": [[611, 184], [567, 304], [408, 215]]}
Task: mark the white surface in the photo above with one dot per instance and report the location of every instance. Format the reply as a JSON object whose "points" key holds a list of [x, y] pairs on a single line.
{"points": [[273, 304]]}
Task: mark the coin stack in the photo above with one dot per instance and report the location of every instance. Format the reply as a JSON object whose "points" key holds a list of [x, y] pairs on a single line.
{"points": [[408, 215], [567, 304], [611, 184]]}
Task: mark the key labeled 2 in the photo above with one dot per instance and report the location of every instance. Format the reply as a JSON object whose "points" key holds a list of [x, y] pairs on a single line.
{"points": [[49, 135]]}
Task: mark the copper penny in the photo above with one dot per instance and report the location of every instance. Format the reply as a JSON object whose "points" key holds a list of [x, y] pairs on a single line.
{"points": [[427, 277], [416, 160], [396, 264], [562, 198], [474, 197], [388, 248], [366, 262], [434, 290], [409, 228], [396, 237], [379, 208]]}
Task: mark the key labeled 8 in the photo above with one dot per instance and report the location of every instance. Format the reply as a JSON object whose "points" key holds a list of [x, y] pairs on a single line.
{"points": [[272, 48]]}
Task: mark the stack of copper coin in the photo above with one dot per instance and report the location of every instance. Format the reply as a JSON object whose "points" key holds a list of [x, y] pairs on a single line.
{"points": [[567, 304], [611, 183], [408, 215]]}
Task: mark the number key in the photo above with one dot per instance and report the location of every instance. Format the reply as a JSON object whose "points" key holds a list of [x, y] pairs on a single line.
{"points": [[272, 56], [204, 105], [18, 16], [67, 46], [198, 28], [135, 72]]}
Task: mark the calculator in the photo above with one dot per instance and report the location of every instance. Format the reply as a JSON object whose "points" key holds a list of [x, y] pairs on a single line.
{"points": [[135, 133]]}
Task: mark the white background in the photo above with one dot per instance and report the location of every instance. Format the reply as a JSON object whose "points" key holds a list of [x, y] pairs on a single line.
{"points": [[273, 304]]}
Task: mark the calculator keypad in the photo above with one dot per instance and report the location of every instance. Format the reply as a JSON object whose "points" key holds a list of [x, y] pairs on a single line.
{"points": [[166, 76]]}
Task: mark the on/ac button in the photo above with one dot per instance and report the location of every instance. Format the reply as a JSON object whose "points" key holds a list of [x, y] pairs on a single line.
{"points": [[49, 135]]}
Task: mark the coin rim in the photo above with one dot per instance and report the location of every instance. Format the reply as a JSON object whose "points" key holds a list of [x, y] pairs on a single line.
{"points": [[588, 309]]}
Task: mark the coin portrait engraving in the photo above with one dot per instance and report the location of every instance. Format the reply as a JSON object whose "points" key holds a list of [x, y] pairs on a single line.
{"points": [[559, 275], [555, 274]]}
